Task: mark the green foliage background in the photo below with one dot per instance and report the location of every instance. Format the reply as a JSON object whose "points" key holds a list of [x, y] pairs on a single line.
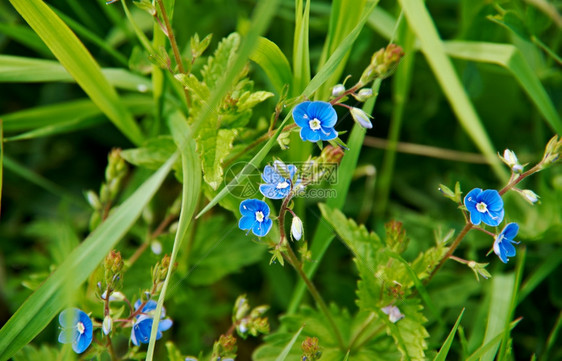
{"points": [[478, 77]]}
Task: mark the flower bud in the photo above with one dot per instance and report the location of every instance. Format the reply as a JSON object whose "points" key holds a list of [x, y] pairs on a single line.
{"points": [[311, 349], [510, 159], [363, 94], [107, 325], [361, 118], [338, 90], [113, 265], [241, 308], [296, 228], [530, 196], [156, 247], [552, 152], [93, 200], [383, 63]]}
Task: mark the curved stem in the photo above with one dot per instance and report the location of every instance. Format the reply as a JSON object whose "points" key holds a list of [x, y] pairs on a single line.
{"points": [[454, 246]]}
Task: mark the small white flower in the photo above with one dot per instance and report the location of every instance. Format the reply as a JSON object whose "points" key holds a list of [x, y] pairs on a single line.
{"points": [[297, 228], [393, 313]]}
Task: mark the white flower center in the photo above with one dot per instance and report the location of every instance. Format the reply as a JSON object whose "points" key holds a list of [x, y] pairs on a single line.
{"points": [[259, 216], [314, 124], [481, 207], [80, 327], [282, 185]]}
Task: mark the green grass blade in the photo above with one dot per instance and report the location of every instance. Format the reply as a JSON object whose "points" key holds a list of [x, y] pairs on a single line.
{"points": [[301, 51], [509, 57], [551, 340], [492, 343], [345, 14], [1, 161], [273, 62], [314, 84], [287, 349], [432, 46], [191, 170], [43, 305], [75, 110], [498, 314], [43, 182], [444, 351], [79, 63], [23, 35], [550, 264], [17, 69]]}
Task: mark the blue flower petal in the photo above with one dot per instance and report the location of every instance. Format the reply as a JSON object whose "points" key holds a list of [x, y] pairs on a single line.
{"points": [[260, 229], [69, 317], [66, 335], [309, 134], [300, 114], [493, 200], [328, 133], [491, 218], [249, 207], [510, 231], [83, 342], [134, 337], [246, 222], [324, 112], [292, 171], [475, 217], [508, 248], [165, 324], [270, 191], [470, 199], [269, 174]]}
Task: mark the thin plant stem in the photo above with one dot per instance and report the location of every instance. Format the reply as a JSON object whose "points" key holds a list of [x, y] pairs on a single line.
{"points": [[292, 258], [468, 226], [362, 329], [175, 49], [370, 336]]}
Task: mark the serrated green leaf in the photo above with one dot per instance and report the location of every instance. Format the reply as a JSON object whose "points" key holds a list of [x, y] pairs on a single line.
{"points": [[214, 147], [412, 331], [222, 59], [249, 100], [152, 154]]}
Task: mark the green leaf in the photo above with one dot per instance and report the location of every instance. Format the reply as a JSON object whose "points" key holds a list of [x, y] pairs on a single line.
{"points": [[409, 332], [432, 47], [444, 351], [152, 154], [214, 148], [273, 62], [43, 305], [492, 344], [78, 62], [43, 353], [301, 56], [283, 355], [191, 179], [217, 65]]}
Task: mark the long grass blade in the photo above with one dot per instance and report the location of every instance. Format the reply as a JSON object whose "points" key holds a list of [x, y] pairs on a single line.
{"points": [[432, 46], [444, 351], [79, 63], [301, 51], [1, 161], [43, 305], [287, 349], [492, 343], [191, 171], [272, 60]]}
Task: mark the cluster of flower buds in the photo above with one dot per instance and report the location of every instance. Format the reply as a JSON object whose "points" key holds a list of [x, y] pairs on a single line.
{"points": [[311, 349], [225, 348], [383, 63], [396, 236], [114, 173], [249, 322], [113, 270], [552, 152], [510, 159], [159, 272]]}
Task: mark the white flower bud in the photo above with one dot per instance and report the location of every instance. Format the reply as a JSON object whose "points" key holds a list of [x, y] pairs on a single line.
{"points": [[107, 325], [511, 160], [338, 90], [361, 118], [156, 247], [530, 196], [296, 228], [363, 94], [93, 200]]}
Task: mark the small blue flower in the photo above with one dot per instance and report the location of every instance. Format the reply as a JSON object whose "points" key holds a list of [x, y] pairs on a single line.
{"points": [[277, 185], [317, 120], [255, 217], [143, 323], [485, 206], [76, 329], [503, 246]]}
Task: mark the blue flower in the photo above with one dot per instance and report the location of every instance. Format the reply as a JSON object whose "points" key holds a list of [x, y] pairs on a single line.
{"points": [[503, 246], [317, 120], [76, 329], [255, 217], [277, 185], [485, 206], [143, 323]]}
